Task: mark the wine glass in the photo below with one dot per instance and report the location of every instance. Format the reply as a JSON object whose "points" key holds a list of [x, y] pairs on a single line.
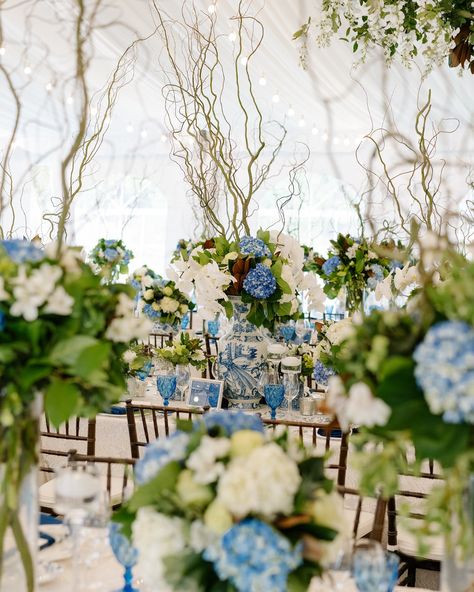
{"points": [[185, 322], [291, 383], [213, 327], [126, 554], [341, 567], [77, 490], [274, 395], [166, 387], [182, 379], [374, 569], [301, 329]]}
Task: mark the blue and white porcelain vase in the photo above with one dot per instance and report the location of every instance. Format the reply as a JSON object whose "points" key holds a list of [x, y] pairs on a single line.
{"points": [[241, 359]]}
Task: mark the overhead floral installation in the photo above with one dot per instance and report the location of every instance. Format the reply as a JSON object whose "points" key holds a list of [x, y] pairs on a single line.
{"points": [[220, 505], [111, 258], [435, 29], [266, 271]]}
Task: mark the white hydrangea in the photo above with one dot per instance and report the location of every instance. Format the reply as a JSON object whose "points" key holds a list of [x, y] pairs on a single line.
{"points": [[262, 483], [157, 536], [204, 461]]}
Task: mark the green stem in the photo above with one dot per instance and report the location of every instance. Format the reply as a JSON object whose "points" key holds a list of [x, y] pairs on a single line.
{"points": [[23, 549]]}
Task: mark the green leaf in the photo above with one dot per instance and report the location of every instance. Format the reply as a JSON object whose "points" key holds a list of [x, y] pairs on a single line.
{"points": [[32, 374], [149, 493], [67, 351], [284, 310], [229, 309], [300, 579], [126, 518], [92, 359], [61, 401]]}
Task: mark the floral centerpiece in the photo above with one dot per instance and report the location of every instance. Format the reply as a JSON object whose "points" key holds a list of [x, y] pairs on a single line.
{"points": [[63, 335], [352, 265], [111, 258], [138, 361], [266, 272], [257, 281], [306, 353], [183, 248], [184, 350], [221, 506], [407, 377], [159, 299], [435, 29]]}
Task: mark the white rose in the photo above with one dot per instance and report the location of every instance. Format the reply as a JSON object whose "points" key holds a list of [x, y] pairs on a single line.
{"points": [[148, 294], [169, 305], [129, 356]]}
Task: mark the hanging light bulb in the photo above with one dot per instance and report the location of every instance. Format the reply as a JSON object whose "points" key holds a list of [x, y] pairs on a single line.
{"points": [[276, 98], [232, 36], [315, 131], [244, 60], [2, 51], [262, 80], [49, 87], [211, 9], [163, 138], [129, 128], [325, 137], [301, 122], [27, 70], [290, 112]]}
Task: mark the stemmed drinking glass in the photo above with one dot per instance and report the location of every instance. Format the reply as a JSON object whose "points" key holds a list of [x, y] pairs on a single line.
{"points": [[291, 385], [213, 327], [341, 567], [374, 569], [126, 554], [274, 395], [77, 493], [166, 387], [182, 379], [287, 331]]}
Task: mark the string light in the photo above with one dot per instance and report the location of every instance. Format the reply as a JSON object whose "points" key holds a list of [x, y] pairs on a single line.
{"points": [[211, 9], [315, 131], [244, 60], [163, 138], [346, 141], [143, 133], [69, 100], [301, 122], [27, 70], [2, 51], [49, 87], [276, 98], [232, 36], [262, 80], [290, 112], [325, 137], [129, 128]]}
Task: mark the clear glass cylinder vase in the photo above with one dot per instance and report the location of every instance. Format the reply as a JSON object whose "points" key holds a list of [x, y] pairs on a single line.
{"points": [[457, 570]]}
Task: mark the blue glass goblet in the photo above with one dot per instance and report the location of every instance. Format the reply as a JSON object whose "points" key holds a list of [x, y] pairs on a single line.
{"points": [[274, 395], [166, 387], [213, 327], [185, 322], [125, 553], [375, 572], [287, 332]]}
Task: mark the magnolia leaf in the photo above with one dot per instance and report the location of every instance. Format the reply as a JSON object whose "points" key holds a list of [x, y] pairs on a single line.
{"points": [[61, 401], [67, 351], [91, 360]]}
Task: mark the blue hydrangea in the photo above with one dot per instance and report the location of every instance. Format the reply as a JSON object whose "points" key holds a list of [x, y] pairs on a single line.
{"points": [[445, 370], [322, 373], [377, 277], [21, 251], [395, 264], [254, 246], [331, 265], [110, 254], [126, 257], [159, 453], [110, 242], [260, 282], [150, 312], [233, 421], [136, 285], [254, 557]]}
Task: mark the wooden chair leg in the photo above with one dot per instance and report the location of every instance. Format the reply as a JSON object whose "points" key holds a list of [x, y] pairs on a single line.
{"points": [[411, 574]]}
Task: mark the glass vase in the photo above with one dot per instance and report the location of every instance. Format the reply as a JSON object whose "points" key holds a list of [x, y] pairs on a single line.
{"points": [[457, 571], [19, 500]]}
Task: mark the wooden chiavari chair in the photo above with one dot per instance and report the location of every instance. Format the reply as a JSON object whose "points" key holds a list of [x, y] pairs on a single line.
{"points": [[159, 340], [154, 422]]}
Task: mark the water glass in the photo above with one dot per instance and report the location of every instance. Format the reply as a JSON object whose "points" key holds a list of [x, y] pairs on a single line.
{"points": [[126, 554], [287, 332], [375, 571], [274, 395], [291, 383], [185, 322], [183, 375], [213, 327], [166, 387]]}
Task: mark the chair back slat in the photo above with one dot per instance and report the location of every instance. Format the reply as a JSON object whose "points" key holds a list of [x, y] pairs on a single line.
{"points": [[159, 340]]}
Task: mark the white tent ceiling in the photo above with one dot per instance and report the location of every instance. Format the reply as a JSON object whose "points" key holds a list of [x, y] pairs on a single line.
{"points": [[342, 103]]}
